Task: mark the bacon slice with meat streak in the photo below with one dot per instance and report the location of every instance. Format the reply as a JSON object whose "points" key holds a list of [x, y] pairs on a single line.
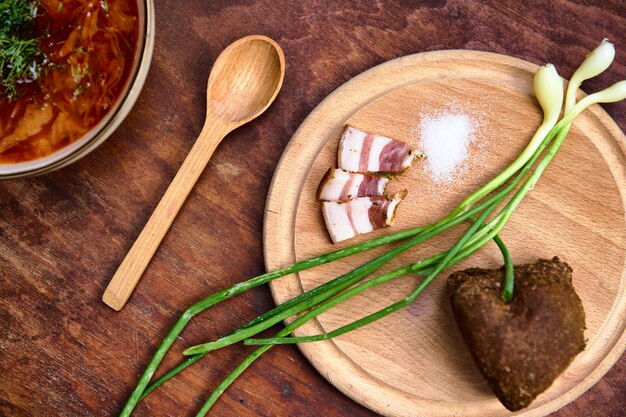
{"points": [[366, 152], [340, 185], [344, 220]]}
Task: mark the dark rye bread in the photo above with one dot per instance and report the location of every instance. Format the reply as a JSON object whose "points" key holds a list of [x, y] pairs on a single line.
{"points": [[519, 347]]}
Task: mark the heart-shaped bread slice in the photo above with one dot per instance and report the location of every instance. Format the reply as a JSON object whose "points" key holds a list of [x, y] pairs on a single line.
{"points": [[520, 347]]}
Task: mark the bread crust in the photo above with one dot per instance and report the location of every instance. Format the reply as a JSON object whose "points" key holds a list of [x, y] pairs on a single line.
{"points": [[520, 347]]}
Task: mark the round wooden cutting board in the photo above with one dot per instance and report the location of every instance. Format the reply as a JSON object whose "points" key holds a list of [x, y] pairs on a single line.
{"points": [[414, 362]]}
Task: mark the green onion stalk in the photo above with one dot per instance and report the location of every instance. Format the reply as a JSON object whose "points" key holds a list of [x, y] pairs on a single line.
{"points": [[517, 179], [236, 289], [468, 242], [327, 286], [142, 389], [508, 264], [417, 235]]}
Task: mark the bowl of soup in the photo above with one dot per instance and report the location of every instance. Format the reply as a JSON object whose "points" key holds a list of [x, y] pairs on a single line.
{"points": [[73, 71]]}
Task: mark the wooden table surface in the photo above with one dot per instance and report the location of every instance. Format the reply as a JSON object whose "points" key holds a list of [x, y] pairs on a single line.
{"points": [[62, 235]]}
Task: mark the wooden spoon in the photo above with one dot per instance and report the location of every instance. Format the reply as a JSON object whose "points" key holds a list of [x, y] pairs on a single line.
{"points": [[244, 81]]}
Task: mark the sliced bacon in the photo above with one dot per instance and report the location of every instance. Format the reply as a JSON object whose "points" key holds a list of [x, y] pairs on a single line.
{"points": [[366, 152], [340, 185], [345, 220]]}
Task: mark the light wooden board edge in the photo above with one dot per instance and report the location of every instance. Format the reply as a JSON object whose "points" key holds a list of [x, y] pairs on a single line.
{"points": [[285, 192]]}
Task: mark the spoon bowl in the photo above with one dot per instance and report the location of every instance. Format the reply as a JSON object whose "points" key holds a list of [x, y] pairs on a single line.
{"points": [[245, 79]]}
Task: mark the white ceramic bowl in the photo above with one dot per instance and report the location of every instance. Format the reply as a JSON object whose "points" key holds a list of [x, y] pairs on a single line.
{"points": [[102, 130]]}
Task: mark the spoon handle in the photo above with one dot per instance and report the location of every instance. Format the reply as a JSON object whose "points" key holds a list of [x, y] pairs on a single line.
{"points": [[132, 267]]}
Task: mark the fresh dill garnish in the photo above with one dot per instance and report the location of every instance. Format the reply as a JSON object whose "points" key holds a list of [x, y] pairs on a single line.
{"points": [[105, 6], [385, 175], [20, 55], [14, 14], [79, 72]]}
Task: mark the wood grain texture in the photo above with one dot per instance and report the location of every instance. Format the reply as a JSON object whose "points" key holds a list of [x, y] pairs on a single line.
{"points": [[138, 257], [414, 363], [244, 81], [63, 352]]}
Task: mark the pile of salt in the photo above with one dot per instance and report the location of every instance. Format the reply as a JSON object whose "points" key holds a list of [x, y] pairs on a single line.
{"points": [[445, 140]]}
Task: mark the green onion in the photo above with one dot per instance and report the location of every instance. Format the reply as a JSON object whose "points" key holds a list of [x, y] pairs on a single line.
{"points": [[15, 14], [238, 289], [414, 268], [193, 359], [596, 62], [190, 361], [138, 392], [549, 91], [339, 284], [313, 313], [254, 282], [524, 172], [334, 283]]}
